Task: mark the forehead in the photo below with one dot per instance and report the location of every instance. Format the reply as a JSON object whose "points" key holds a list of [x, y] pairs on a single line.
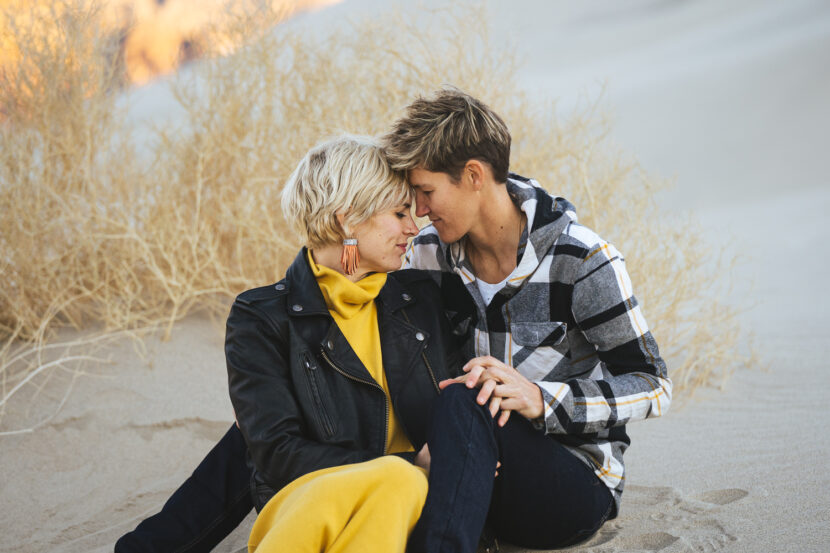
{"points": [[406, 204], [418, 178]]}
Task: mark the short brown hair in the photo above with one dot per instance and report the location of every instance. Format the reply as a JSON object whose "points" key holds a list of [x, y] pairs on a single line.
{"points": [[442, 133]]}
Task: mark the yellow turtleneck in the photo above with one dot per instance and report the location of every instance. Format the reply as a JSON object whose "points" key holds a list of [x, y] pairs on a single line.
{"points": [[352, 306], [369, 506]]}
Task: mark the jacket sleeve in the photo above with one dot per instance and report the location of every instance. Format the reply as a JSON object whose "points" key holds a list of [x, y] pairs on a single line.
{"points": [[263, 398], [608, 315]]}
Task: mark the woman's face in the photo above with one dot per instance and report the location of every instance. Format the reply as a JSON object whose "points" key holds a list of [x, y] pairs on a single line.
{"points": [[382, 239], [451, 207]]}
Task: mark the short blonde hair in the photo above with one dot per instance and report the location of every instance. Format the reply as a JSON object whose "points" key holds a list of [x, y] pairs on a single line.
{"points": [[444, 132], [349, 175]]}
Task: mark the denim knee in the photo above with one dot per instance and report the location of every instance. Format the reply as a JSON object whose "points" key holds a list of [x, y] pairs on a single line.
{"points": [[458, 397], [457, 408]]}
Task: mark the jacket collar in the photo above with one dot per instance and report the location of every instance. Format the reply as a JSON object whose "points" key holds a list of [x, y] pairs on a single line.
{"points": [[400, 340], [547, 217], [305, 298], [304, 295], [393, 295]]}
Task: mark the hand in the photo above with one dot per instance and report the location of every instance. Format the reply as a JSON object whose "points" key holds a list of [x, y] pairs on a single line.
{"points": [[423, 458], [503, 385], [477, 377]]}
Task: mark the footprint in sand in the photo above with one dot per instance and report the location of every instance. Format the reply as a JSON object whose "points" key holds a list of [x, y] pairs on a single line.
{"points": [[722, 497], [205, 429], [663, 519]]}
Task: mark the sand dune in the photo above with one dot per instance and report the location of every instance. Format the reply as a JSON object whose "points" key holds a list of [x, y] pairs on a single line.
{"points": [[729, 98]]}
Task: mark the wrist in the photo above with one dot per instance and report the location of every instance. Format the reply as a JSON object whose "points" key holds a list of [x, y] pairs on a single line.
{"points": [[537, 404]]}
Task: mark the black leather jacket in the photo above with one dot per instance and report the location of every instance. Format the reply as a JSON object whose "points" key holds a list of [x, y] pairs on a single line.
{"points": [[303, 399]]}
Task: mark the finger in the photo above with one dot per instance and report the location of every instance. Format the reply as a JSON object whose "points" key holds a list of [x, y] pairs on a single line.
{"points": [[457, 380], [472, 377], [486, 389], [472, 363], [495, 402], [484, 361], [503, 373], [505, 415], [510, 402], [508, 393]]}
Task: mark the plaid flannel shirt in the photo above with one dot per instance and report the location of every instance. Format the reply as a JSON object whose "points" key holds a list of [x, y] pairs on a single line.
{"points": [[568, 321]]}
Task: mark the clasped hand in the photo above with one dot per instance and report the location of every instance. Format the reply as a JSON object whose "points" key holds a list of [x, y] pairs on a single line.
{"points": [[505, 388]]}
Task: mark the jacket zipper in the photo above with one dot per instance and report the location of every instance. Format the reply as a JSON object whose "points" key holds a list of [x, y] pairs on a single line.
{"points": [[424, 357], [315, 390], [368, 383]]}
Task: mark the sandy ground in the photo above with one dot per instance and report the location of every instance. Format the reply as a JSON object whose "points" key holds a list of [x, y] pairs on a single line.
{"points": [[733, 100]]}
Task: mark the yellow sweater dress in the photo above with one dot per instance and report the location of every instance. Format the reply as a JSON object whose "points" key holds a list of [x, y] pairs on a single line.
{"points": [[363, 507]]}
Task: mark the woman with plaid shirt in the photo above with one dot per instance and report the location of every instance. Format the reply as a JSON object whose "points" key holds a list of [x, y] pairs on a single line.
{"points": [[561, 356]]}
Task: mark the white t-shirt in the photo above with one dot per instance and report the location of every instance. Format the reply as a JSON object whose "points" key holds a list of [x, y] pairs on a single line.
{"points": [[488, 291]]}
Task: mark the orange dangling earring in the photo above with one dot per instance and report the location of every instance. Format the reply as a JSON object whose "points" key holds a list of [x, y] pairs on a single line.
{"points": [[351, 257]]}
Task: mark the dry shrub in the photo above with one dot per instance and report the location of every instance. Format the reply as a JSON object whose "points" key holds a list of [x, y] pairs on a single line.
{"points": [[58, 179], [91, 235]]}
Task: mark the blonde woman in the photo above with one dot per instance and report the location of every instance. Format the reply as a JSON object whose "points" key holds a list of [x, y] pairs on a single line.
{"points": [[331, 373]]}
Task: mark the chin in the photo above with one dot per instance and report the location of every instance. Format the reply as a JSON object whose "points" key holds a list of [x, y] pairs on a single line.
{"points": [[393, 265], [447, 237]]}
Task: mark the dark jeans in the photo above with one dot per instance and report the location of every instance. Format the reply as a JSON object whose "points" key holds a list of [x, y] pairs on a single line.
{"points": [[205, 508], [543, 498]]}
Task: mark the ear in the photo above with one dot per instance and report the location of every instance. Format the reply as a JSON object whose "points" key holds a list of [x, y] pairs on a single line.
{"points": [[476, 172]]}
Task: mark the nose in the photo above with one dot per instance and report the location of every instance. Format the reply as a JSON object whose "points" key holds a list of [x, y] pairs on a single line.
{"points": [[411, 228], [421, 207]]}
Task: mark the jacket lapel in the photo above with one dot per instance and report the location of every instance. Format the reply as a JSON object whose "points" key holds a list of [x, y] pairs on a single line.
{"points": [[401, 341], [340, 355]]}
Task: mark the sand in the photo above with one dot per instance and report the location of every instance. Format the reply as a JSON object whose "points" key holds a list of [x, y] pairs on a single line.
{"points": [[733, 101]]}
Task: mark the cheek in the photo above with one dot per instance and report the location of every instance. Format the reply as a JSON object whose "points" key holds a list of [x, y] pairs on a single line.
{"points": [[455, 204], [383, 238]]}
